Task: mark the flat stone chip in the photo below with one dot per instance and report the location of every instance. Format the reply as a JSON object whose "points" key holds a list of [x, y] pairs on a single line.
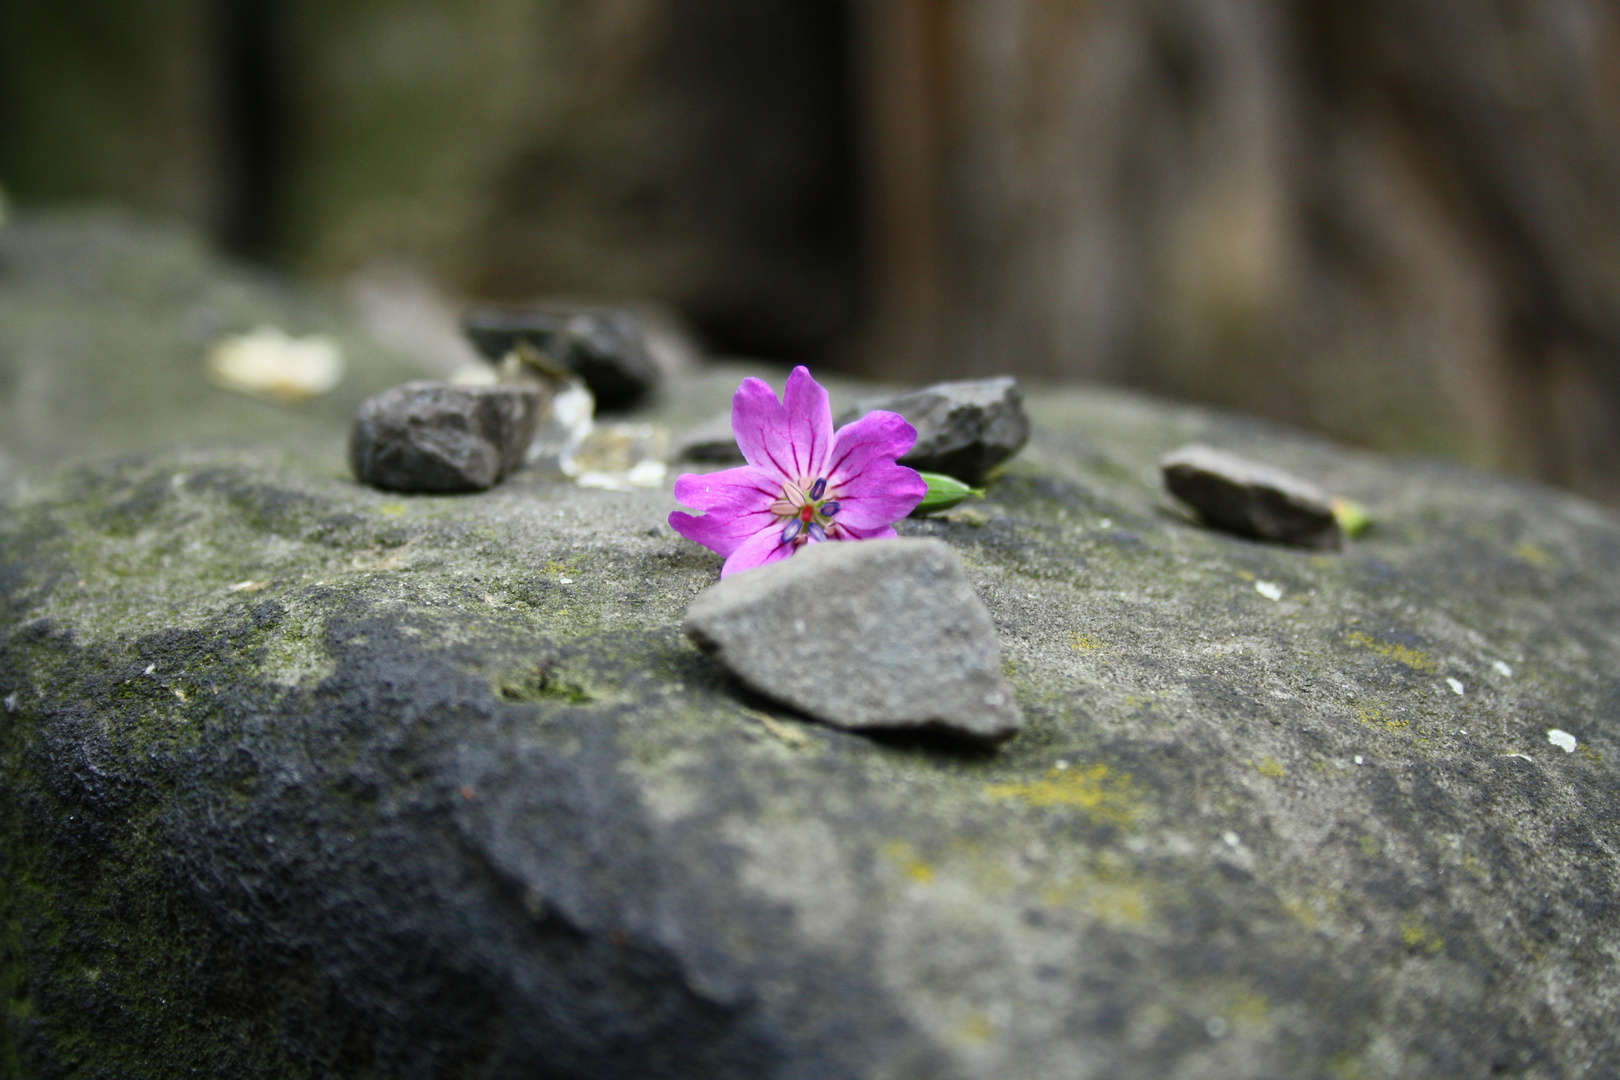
{"points": [[1250, 499], [884, 634]]}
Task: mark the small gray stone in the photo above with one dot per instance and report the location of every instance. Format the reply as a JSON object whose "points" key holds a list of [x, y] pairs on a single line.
{"points": [[606, 347], [441, 437], [877, 635], [712, 442], [964, 429], [1250, 499]]}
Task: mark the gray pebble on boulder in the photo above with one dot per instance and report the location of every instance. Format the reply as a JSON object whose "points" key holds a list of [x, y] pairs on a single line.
{"points": [[1250, 499], [606, 347], [441, 437], [964, 429], [876, 635]]}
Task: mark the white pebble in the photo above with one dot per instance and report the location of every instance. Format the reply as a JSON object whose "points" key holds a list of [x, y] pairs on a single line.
{"points": [[1507, 672], [1562, 739], [1358, 759], [1456, 687], [1233, 840], [563, 579], [1269, 590], [1062, 765]]}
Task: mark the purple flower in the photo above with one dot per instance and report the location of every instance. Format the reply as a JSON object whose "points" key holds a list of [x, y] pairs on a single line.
{"points": [[803, 483]]}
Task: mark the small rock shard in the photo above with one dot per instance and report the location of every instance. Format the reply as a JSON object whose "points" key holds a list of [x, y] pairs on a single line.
{"points": [[1250, 499], [441, 437], [1562, 739], [606, 347], [964, 429], [874, 635]]}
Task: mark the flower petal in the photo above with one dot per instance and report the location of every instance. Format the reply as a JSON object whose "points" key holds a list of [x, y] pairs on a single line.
{"points": [[884, 494], [882, 532], [742, 488], [877, 436], [723, 533], [760, 425], [758, 550], [810, 429]]}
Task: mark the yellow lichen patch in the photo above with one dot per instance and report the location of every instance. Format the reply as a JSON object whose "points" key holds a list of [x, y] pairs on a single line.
{"points": [[1085, 642], [1346, 1066], [1248, 1010], [1418, 935], [975, 1029], [1311, 911], [1112, 893], [1471, 864], [1370, 846], [1378, 716], [1534, 555], [391, 509], [1269, 766], [914, 867], [1099, 791], [1391, 650]]}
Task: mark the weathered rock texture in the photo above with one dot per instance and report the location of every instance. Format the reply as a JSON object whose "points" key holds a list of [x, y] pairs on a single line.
{"points": [[874, 636], [300, 778], [440, 437]]}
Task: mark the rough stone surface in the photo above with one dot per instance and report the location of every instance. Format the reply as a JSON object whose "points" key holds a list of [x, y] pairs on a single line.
{"points": [[964, 429], [300, 778], [604, 346], [441, 437], [885, 636], [1251, 499]]}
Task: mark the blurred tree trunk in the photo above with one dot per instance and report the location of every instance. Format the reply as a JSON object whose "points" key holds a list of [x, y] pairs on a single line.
{"points": [[1394, 220]]}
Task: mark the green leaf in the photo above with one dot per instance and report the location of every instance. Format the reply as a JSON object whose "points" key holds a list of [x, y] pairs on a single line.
{"points": [[1352, 518], [944, 492]]}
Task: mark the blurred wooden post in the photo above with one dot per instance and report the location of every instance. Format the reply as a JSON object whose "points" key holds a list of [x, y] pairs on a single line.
{"points": [[901, 54]]}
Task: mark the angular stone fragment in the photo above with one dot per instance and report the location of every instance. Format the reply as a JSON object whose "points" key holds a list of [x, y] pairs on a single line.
{"points": [[964, 429], [875, 635], [1250, 499], [607, 347], [442, 437]]}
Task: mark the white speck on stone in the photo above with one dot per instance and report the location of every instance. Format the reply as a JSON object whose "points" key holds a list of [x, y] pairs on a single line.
{"points": [[1106, 523], [1562, 739], [798, 626], [1216, 1026], [1359, 759], [151, 668], [1526, 757], [1505, 671], [564, 579], [1268, 589], [1456, 687], [1062, 765], [11, 702], [1232, 839]]}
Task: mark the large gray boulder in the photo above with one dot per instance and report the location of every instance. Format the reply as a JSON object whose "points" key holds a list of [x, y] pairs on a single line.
{"points": [[302, 778]]}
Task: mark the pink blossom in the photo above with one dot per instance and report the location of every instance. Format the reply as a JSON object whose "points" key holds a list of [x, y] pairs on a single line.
{"points": [[803, 483]]}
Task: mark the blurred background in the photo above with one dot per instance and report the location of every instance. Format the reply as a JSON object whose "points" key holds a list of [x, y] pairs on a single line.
{"points": [[1393, 221]]}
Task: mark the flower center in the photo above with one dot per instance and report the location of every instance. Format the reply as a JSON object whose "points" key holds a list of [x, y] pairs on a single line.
{"points": [[807, 511]]}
